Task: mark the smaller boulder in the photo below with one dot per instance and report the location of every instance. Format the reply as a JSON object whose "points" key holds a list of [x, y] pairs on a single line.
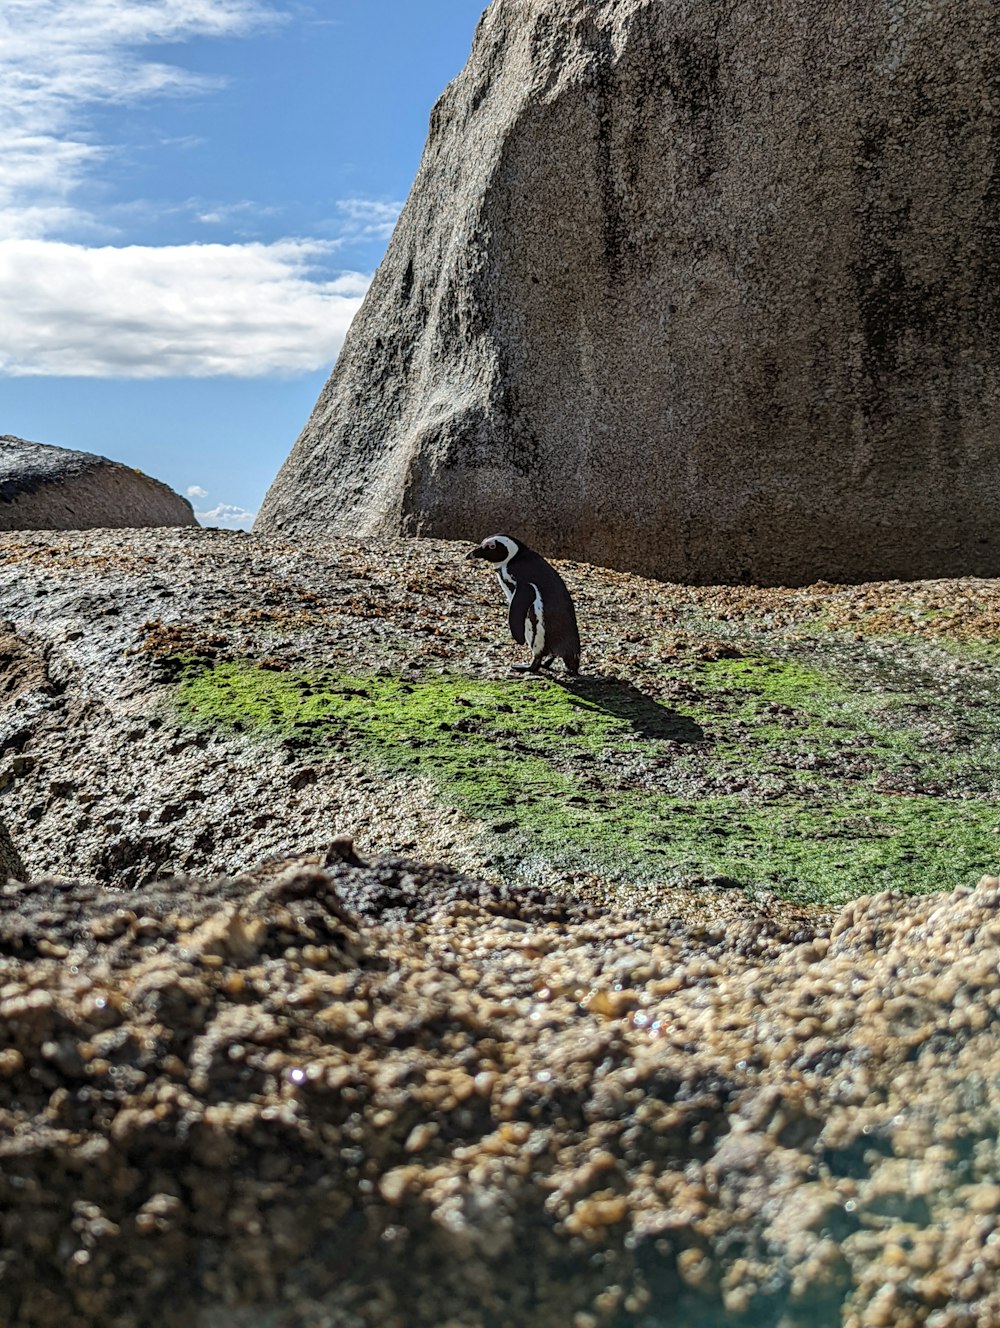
{"points": [[53, 488]]}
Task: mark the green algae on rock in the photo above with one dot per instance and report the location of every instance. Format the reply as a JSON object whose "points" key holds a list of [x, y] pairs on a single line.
{"points": [[824, 741], [769, 773]]}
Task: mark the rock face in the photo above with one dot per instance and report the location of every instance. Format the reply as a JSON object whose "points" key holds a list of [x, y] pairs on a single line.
{"points": [[709, 296], [53, 488]]}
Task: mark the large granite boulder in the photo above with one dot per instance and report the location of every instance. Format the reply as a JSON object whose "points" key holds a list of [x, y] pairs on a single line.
{"points": [[705, 292], [54, 488]]}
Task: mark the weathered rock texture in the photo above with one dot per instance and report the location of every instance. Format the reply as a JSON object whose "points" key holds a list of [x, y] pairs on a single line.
{"points": [[54, 488], [10, 860], [197, 700], [360, 1097], [704, 292]]}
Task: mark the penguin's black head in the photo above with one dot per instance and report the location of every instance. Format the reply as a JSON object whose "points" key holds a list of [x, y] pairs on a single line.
{"points": [[496, 549]]}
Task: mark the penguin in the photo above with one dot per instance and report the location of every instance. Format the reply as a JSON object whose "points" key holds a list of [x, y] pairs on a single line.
{"points": [[540, 610]]}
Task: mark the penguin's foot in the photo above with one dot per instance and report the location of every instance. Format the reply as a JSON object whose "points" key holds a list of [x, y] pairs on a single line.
{"points": [[527, 668]]}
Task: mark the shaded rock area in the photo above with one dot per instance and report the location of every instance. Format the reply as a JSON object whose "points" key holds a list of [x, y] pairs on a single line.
{"points": [[360, 1094], [708, 294], [10, 862], [54, 488]]}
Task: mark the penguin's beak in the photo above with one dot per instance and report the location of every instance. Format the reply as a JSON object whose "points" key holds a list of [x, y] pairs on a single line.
{"points": [[477, 552]]}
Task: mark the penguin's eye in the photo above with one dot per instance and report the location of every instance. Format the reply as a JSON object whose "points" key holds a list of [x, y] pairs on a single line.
{"points": [[492, 544]]}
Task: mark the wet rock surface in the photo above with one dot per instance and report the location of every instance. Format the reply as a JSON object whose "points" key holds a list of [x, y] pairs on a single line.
{"points": [[362, 1094]]}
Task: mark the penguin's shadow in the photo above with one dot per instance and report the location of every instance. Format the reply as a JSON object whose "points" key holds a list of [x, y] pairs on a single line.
{"points": [[624, 701]]}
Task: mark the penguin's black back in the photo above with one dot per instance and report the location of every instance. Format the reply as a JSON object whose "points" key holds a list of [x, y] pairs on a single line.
{"points": [[562, 636]]}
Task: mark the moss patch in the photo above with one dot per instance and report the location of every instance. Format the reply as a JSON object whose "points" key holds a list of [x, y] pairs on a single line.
{"points": [[767, 771]]}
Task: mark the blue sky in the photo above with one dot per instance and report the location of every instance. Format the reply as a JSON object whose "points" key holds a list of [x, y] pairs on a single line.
{"points": [[194, 195]]}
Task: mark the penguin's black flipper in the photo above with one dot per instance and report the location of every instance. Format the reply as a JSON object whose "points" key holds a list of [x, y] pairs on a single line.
{"points": [[520, 606]]}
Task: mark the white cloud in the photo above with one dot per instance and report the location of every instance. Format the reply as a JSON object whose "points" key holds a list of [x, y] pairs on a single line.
{"points": [[228, 214], [228, 516], [198, 311], [61, 58], [116, 310], [364, 218]]}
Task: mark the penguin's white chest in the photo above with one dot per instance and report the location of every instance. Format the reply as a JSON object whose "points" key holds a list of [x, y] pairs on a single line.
{"points": [[534, 625], [507, 584]]}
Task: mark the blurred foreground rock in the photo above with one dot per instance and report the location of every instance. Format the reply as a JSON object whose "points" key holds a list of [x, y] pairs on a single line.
{"points": [[362, 1094], [54, 488]]}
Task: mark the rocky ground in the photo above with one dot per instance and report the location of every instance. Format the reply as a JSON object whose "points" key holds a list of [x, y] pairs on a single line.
{"points": [[199, 700], [636, 1067]]}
